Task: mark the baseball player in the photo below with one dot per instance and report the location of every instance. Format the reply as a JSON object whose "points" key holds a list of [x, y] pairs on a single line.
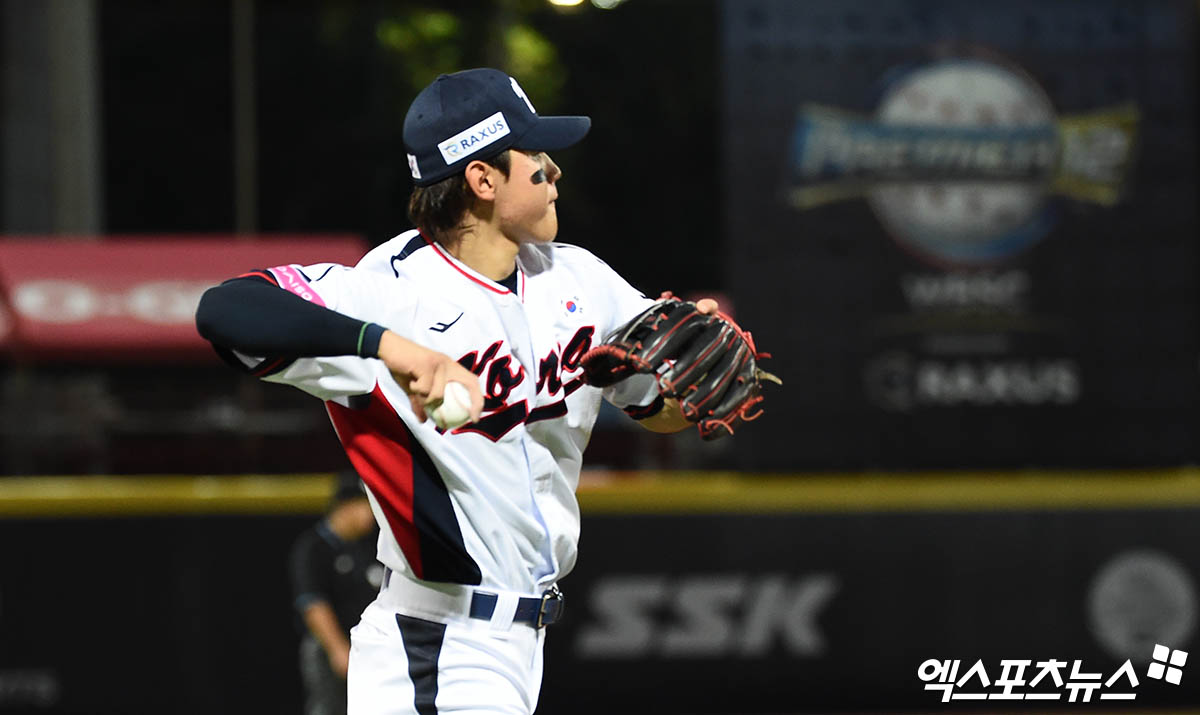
{"points": [[477, 522], [334, 576]]}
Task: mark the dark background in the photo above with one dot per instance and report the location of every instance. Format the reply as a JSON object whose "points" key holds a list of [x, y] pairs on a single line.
{"points": [[331, 82], [185, 614], [681, 185], [641, 190], [1112, 289]]}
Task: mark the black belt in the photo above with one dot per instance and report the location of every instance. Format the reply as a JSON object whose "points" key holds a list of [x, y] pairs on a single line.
{"points": [[536, 612]]}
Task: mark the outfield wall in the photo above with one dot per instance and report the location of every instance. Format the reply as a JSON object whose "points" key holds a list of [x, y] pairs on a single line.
{"points": [[693, 593]]}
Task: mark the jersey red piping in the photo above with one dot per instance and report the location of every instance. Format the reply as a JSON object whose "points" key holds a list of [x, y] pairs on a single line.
{"points": [[494, 289], [261, 274]]}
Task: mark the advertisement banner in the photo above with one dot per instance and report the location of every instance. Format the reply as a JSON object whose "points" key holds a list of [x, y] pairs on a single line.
{"points": [[131, 298], [984, 217], [878, 613]]}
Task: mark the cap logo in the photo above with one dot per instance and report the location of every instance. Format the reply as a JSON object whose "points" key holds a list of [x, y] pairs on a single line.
{"points": [[413, 168], [474, 138], [521, 93]]}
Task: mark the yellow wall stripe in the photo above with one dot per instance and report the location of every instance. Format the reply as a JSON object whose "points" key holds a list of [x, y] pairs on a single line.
{"points": [[715, 492], [164, 495], [603, 492]]}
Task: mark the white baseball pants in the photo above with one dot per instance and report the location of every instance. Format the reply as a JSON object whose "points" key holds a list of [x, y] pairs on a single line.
{"points": [[415, 652]]}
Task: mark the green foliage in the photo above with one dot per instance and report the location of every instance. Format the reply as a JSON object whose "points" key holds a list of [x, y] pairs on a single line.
{"points": [[426, 43], [533, 60], [420, 43]]}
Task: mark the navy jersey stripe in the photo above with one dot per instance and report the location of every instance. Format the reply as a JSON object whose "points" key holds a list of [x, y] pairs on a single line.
{"points": [[423, 646], [547, 412], [272, 366], [265, 368], [418, 242], [499, 423], [442, 549], [641, 412], [230, 359], [408, 488]]}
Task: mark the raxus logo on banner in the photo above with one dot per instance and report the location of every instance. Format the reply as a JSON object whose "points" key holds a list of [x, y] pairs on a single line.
{"points": [[961, 158]]}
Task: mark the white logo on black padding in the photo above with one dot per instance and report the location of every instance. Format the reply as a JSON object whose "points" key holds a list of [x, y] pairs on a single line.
{"points": [[521, 93]]}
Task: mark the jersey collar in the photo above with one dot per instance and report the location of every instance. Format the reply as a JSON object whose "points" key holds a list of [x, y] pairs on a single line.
{"points": [[475, 277]]}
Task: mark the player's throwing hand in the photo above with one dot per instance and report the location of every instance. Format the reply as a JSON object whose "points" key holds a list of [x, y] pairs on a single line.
{"points": [[423, 373]]}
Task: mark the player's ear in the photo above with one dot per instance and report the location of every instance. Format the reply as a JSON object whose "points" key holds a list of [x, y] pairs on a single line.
{"points": [[481, 177]]}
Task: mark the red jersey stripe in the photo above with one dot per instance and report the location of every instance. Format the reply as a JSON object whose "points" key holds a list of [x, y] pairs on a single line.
{"points": [[384, 462], [260, 274]]}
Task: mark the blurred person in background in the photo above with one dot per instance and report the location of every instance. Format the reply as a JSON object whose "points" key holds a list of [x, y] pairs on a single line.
{"points": [[334, 577]]}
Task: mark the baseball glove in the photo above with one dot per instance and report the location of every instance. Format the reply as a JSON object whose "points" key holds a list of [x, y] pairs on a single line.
{"points": [[706, 362]]}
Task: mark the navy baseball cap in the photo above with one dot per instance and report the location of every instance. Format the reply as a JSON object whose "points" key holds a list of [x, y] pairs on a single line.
{"points": [[477, 114]]}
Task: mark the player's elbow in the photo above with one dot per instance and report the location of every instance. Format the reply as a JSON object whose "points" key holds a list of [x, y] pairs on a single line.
{"points": [[214, 306]]}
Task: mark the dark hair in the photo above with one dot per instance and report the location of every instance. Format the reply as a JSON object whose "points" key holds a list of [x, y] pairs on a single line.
{"points": [[346, 487], [440, 207]]}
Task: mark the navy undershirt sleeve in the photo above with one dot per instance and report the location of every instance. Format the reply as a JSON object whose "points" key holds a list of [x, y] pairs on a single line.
{"points": [[255, 317]]}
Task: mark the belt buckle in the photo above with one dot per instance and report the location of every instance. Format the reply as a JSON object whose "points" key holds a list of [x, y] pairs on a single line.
{"points": [[551, 594]]}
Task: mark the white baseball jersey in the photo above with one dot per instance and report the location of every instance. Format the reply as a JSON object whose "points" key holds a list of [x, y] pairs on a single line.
{"points": [[490, 503]]}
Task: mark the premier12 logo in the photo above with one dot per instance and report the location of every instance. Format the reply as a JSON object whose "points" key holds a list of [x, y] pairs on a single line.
{"points": [[960, 159]]}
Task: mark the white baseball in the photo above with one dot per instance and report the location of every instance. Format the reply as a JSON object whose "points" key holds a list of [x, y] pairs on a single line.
{"points": [[455, 409]]}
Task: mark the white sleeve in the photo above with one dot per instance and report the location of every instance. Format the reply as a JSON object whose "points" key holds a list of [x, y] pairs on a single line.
{"points": [[330, 285], [357, 293], [627, 303], [635, 391], [330, 377]]}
